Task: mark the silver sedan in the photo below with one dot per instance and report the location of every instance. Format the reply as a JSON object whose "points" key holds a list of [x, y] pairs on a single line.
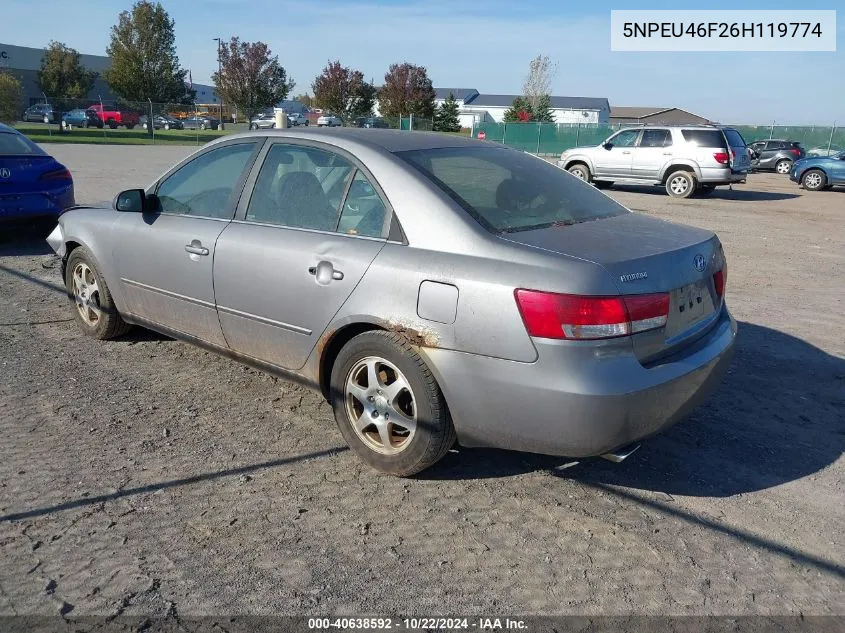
{"points": [[433, 288]]}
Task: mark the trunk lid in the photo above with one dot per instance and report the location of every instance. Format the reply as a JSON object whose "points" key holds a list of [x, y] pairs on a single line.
{"points": [[21, 171], [645, 255]]}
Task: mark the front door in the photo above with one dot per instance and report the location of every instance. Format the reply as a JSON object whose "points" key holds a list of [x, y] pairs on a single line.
{"points": [[301, 243], [615, 157], [165, 259]]}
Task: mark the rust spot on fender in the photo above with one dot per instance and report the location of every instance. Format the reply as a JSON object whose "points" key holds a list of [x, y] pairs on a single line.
{"points": [[417, 337], [324, 340]]}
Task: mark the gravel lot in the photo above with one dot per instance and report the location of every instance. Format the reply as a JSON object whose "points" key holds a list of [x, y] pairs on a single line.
{"points": [[144, 476]]}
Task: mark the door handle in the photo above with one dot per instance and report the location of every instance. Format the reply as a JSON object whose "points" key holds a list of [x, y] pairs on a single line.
{"points": [[325, 273], [667, 153], [196, 248], [626, 152]]}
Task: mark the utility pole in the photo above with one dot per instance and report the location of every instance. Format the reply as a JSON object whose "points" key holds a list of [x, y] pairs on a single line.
{"points": [[219, 71]]}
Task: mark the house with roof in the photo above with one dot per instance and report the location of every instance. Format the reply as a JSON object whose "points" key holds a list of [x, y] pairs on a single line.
{"points": [[475, 107], [639, 115]]}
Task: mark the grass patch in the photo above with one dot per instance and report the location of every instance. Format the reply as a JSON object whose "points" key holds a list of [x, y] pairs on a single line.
{"points": [[41, 133]]}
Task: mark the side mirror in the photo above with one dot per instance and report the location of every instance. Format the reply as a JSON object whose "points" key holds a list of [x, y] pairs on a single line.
{"points": [[133, 201], [607, 146]]}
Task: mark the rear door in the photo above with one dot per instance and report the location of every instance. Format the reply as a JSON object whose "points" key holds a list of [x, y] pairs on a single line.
{"points": [[739, 160], [615, 157], [164, 259], [652, 152], [302, 241]]}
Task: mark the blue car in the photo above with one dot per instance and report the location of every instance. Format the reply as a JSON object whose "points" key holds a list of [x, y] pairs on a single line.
{"points": [[33, 184], [819, 172], [81, 118]]}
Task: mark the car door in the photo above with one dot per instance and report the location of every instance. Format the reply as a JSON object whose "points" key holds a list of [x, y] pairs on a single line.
{"points": [[283, 268], [653, 151], [615, 157], [836, 171], [164, 259], [768, 157], [757, 147]]}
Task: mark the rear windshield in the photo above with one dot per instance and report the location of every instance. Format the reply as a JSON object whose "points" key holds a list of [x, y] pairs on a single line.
{"points": [[734, 138], [507, 191], [13, 144], [705, 138]]}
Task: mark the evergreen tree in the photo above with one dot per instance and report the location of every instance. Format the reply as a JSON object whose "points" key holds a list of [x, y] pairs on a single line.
{"points": [[446, 117], [543, 111]]}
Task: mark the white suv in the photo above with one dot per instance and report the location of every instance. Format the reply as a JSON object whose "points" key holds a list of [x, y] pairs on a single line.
{"points": [[685, 159]]}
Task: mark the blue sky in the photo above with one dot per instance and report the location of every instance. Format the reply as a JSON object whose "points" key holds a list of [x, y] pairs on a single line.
{"points": [[479, 44]]}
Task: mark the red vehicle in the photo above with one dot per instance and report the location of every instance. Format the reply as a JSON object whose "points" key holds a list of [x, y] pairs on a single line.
{"points": [[114, 118]]}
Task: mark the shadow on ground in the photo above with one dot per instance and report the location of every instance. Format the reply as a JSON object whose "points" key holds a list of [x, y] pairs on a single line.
{"points": [[778, 416], [721, 193], [19, 239]]}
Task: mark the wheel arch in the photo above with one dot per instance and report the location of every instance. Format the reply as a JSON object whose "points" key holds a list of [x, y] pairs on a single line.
{"points": [[679, 166], [329, 346]]}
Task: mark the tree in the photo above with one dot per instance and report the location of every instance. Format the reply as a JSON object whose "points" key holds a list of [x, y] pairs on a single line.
{"points": [[251, 77], [538, 82], [446, 118], [10, 98], [343, 91], [144, 64], [542, 112], [519, 112], [62, 74], [407, 90], [305, 99]]}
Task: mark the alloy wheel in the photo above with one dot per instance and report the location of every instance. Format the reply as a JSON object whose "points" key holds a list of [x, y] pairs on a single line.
{"points": [[380, 405], [679, 185], [86, 294], [783, 167]]}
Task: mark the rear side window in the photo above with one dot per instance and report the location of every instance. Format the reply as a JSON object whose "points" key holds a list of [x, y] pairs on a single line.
{"points": [[705, 138], [656, 138], [507, 191]]}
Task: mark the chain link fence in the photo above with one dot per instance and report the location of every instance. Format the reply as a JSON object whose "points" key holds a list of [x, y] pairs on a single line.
{"points": [[122, 122], [550, 139]]}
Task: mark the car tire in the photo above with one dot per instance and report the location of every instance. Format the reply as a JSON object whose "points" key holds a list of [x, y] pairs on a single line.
{"points": [[681, 184], [783, 166], [253, 126], [306, 124], [814, 180], [112, 124], [390, 447], [580, 171], [93, 307]]}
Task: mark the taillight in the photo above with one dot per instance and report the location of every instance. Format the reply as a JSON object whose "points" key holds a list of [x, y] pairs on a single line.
{"points": [[795, 151], [721, 158], [561, 316], [58, 174], [720, 278]]}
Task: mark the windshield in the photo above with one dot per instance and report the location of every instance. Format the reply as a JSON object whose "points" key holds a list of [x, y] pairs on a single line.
{"points": [[506, 190], [13, 144]]}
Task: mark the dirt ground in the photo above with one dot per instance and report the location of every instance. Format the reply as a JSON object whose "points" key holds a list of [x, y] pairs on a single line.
{"points": [[145, 476]]}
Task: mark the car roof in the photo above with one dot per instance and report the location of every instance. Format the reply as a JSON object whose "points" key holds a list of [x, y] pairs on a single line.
{"points": [[388, 140]]}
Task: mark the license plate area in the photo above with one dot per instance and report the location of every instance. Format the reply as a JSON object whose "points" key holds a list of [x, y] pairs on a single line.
{"points": [[688, 306]]}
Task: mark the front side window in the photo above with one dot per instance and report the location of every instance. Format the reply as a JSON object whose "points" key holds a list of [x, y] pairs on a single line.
{"points": [[506, 191], [204, 186], [300, 187], [656, 138], [626, 138]]}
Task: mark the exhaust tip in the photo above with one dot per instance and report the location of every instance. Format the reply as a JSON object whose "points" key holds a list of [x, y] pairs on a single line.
{"points": [[620, 455]]}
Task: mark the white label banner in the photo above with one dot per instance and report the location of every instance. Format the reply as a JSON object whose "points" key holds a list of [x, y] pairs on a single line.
{"points": [[723, 30]]}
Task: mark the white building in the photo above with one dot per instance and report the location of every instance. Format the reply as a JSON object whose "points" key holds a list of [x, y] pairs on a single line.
{"points": [[477, 108]]}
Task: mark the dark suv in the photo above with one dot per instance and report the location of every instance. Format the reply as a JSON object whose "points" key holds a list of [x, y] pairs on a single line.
{"points": [[775, 154]]}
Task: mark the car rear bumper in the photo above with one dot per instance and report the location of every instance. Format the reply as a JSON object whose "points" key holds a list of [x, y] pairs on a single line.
{"points": [[574, 401], [43, 204], [721, 176]]}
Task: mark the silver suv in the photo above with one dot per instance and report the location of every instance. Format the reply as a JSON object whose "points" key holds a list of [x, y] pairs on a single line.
{"points": [[684, 159]]}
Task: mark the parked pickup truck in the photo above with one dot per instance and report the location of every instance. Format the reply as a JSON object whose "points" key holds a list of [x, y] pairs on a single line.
{"points": [[114, 118]]}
